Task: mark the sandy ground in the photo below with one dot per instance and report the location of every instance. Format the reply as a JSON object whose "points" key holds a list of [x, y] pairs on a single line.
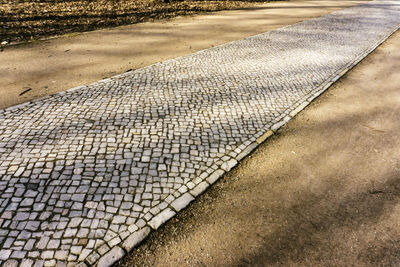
{"points": [[324, 191], [41, 68]]}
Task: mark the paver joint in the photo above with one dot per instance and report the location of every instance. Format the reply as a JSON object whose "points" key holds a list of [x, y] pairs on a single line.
{"points": [[85, 173]]}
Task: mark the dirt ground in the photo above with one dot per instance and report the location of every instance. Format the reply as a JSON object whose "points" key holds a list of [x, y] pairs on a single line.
{"points": [[41, 68], [324, 191], [24, 20]]}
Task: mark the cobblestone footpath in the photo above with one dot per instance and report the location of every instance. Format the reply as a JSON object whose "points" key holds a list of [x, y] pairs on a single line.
{"points": [[86, 174]]}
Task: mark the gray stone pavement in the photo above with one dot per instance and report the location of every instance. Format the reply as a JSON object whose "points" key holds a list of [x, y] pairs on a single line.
{"points": [[86, 174]]}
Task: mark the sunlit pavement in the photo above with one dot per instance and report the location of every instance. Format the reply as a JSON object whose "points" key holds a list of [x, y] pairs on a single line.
{"points": [[87, 173]]}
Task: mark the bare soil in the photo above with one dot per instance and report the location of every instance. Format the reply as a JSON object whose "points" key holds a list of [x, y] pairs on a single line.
{"points": [[324, 191], [34, 19], [41, 68]]}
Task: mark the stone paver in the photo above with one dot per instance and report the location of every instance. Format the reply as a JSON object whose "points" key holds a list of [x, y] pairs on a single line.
{"points": [[85, 173]]}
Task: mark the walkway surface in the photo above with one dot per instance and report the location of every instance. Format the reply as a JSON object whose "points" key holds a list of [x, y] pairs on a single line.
{"points": [[55, 65], [85, 174]]}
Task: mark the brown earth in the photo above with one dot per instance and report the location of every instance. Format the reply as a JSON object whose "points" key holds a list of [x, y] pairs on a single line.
{"points": [[324, 191], [34, 19], [41, 68]]}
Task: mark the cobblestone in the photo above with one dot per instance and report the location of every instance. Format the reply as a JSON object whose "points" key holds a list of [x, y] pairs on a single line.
{"points": [[90, 170], [182, 201], [161, 218], [135, 238], [111, 257]]}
